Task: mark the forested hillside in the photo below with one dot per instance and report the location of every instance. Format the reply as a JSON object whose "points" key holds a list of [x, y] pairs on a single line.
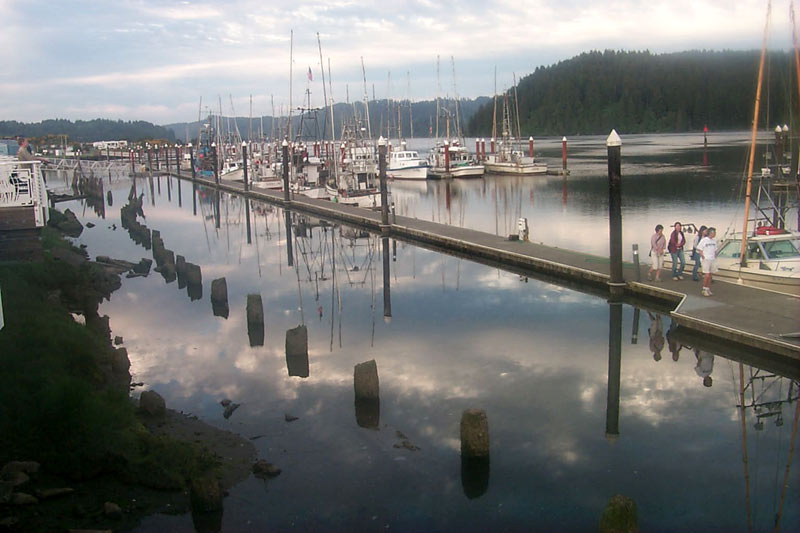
{"points": [[87, 130], [644, 92]]}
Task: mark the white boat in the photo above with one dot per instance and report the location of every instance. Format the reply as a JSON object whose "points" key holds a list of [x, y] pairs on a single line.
{"points": [[452, 160], [772, 262], [507, 160], [23, 196], [406, 165]]}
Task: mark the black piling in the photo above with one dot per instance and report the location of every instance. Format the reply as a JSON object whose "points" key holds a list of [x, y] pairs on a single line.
{"points": [[285, 155], [216, 165], [289, 249], [636, 262], [244, 167], [382, 176], [614, 145], [387, 297], [191, 161]]}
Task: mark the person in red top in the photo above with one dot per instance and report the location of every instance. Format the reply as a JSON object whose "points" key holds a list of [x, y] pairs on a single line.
{"points": [[676, 243]]}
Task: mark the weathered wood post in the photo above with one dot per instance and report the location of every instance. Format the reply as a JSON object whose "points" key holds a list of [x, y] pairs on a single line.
{"points": [[255, 320], [285, 155], [382, 176], [635, 327], [244, 166], [491, 148], [614, 364], [219, 297], [214, 161], [130, 155], [247, 218], [289, 246], [191, 161], [530, 146], [474, 434], [564, 155], [297, 351], [177, 160], [614, 145], [367, 394]]}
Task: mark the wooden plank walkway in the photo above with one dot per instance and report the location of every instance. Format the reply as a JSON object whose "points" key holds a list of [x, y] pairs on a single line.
{"points": [[752, 318]]}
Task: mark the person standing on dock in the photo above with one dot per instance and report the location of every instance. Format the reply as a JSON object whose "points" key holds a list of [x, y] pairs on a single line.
{"points": [[676, 243], [707, 248], [696, 256], [658, 243]]}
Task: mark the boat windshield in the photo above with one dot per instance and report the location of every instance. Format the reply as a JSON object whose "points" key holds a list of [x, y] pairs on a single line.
{"points": [[783, 249]]}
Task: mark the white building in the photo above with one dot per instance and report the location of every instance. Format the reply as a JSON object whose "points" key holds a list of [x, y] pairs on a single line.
{"points": [[113, 145]]}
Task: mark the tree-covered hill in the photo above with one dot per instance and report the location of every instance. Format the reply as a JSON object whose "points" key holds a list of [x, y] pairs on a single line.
{"points": [[87, 130], [643, 92]]}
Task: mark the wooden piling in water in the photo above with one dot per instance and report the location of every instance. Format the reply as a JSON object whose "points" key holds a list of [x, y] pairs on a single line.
{"points": [[614, 145]]}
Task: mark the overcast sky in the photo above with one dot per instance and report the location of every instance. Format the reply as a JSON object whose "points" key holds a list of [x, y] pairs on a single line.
{"points": [[155, 59]]}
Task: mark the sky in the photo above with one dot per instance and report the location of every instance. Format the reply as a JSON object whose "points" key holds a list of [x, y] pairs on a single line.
{"points": [[168, 61]]}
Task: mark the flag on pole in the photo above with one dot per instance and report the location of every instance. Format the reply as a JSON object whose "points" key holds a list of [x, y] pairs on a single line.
{"points": [[310, 75]]}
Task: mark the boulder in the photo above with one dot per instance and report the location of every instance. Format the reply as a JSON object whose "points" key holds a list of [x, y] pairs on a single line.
{"points": [[180, 265], [263, 469], [143, 266], [70, 225], [15, 479], [117, 340], [474, 434], [21, 498], [112, 510], [194, 276], [120, 364], [48, 494], [205, 494], [151, 403], [29, 467]]}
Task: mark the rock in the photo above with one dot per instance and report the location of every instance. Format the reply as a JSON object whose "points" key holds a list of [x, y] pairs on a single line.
{"points": [[117, 340], [474, 434], [29, 467], [180, 265], [89, 224], [289, 418], [219, 291], [167, 271], [15, 479], [297, 351], [263, 469], [20, 498], [152, 403], [225, 403], [70, 225], [620, 516], [9, 522], [205, 494], [255, 309], [48, 494], [229, 409], [407, 445], [365, 381], [112, 510], [120, 364], [6, 489]]}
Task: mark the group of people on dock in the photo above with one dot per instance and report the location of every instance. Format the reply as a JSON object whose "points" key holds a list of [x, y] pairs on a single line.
{"points": [[704, 254]]}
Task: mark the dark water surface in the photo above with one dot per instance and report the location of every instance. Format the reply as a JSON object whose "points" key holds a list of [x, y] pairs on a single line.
{"points": [[534, 356]]}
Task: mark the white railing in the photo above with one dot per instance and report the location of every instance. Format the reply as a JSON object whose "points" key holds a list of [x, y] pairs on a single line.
{"points": [[22, 185]]}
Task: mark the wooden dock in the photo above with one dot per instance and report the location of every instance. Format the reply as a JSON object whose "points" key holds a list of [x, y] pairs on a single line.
{"points": [[755, 320]]}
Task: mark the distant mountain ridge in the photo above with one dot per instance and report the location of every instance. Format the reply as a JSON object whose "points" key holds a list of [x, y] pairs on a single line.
{"points": [[641, 92], [99, 129]]}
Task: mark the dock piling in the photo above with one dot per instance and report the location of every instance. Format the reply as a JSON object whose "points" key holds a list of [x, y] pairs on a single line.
{"points": [[216, 164], [564, 155], [636, 262], [191, 161], [244, 166], [614, 145], [382, 177], [285, 146]]}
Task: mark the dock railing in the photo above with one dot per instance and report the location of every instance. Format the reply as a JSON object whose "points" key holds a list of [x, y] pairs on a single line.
{"points": [[22, 185]]}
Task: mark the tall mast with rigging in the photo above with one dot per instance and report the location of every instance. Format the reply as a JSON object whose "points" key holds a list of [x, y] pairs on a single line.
{"points": [[751, 161]]}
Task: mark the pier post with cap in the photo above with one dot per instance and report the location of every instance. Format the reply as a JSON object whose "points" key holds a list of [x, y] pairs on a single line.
{"points": [[244, 165], [614, 145], [382, 177], [285, 154]]}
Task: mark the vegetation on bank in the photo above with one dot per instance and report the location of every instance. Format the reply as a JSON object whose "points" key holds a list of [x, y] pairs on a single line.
{"points": [[64, 389], [641, 92], [52, 131]]}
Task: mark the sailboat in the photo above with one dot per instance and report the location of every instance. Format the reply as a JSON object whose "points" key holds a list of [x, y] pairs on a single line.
{"points": [[510, 157], [764, 253]]}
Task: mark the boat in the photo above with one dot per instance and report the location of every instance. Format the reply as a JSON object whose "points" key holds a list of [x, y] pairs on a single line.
{"points": [[510, 157], [406, 164], [449, 157], [453, 160]]}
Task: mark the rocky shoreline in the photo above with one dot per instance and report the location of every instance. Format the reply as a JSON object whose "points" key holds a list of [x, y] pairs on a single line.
{"points": [[43, 493]]}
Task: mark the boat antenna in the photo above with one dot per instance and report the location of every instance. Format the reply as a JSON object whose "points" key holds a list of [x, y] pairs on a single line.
{"points": [[743, 260], [494, 113]]}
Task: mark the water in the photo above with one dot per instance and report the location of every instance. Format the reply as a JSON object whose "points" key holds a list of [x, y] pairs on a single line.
{"points": [[462, 335]]}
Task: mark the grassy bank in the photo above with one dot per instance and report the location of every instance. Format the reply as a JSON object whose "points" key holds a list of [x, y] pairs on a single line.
{"points": [[64, 389]]}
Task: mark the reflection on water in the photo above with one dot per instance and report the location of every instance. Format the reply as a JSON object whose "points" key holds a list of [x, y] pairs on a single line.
{"points": [[538, 358]]}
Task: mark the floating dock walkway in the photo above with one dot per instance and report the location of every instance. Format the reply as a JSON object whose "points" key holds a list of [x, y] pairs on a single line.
{"points": [[750, 320]]}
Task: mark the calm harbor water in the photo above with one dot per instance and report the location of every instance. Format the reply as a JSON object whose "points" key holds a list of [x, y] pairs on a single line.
{"points": [[462, 335]]}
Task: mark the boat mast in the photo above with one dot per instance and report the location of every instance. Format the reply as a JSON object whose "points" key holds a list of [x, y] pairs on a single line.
{"points": [[494, 112], [438, 90], [410, 117], [366, 98], [455, 93], [516, 109], [743, 260], [291, 51]]}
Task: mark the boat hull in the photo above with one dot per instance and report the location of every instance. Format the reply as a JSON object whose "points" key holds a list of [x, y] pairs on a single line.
{"points": [[466, 171], [408, 173], [522, 169]]}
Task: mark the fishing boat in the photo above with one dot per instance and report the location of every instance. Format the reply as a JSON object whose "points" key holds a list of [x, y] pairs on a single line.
{"points": [[510, 157], [453, 160], [406, 164]]}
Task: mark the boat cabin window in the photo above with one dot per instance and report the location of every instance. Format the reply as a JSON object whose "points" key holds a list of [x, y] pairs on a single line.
{"points": [[732, 248], [754, 251], [783, 249]]}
